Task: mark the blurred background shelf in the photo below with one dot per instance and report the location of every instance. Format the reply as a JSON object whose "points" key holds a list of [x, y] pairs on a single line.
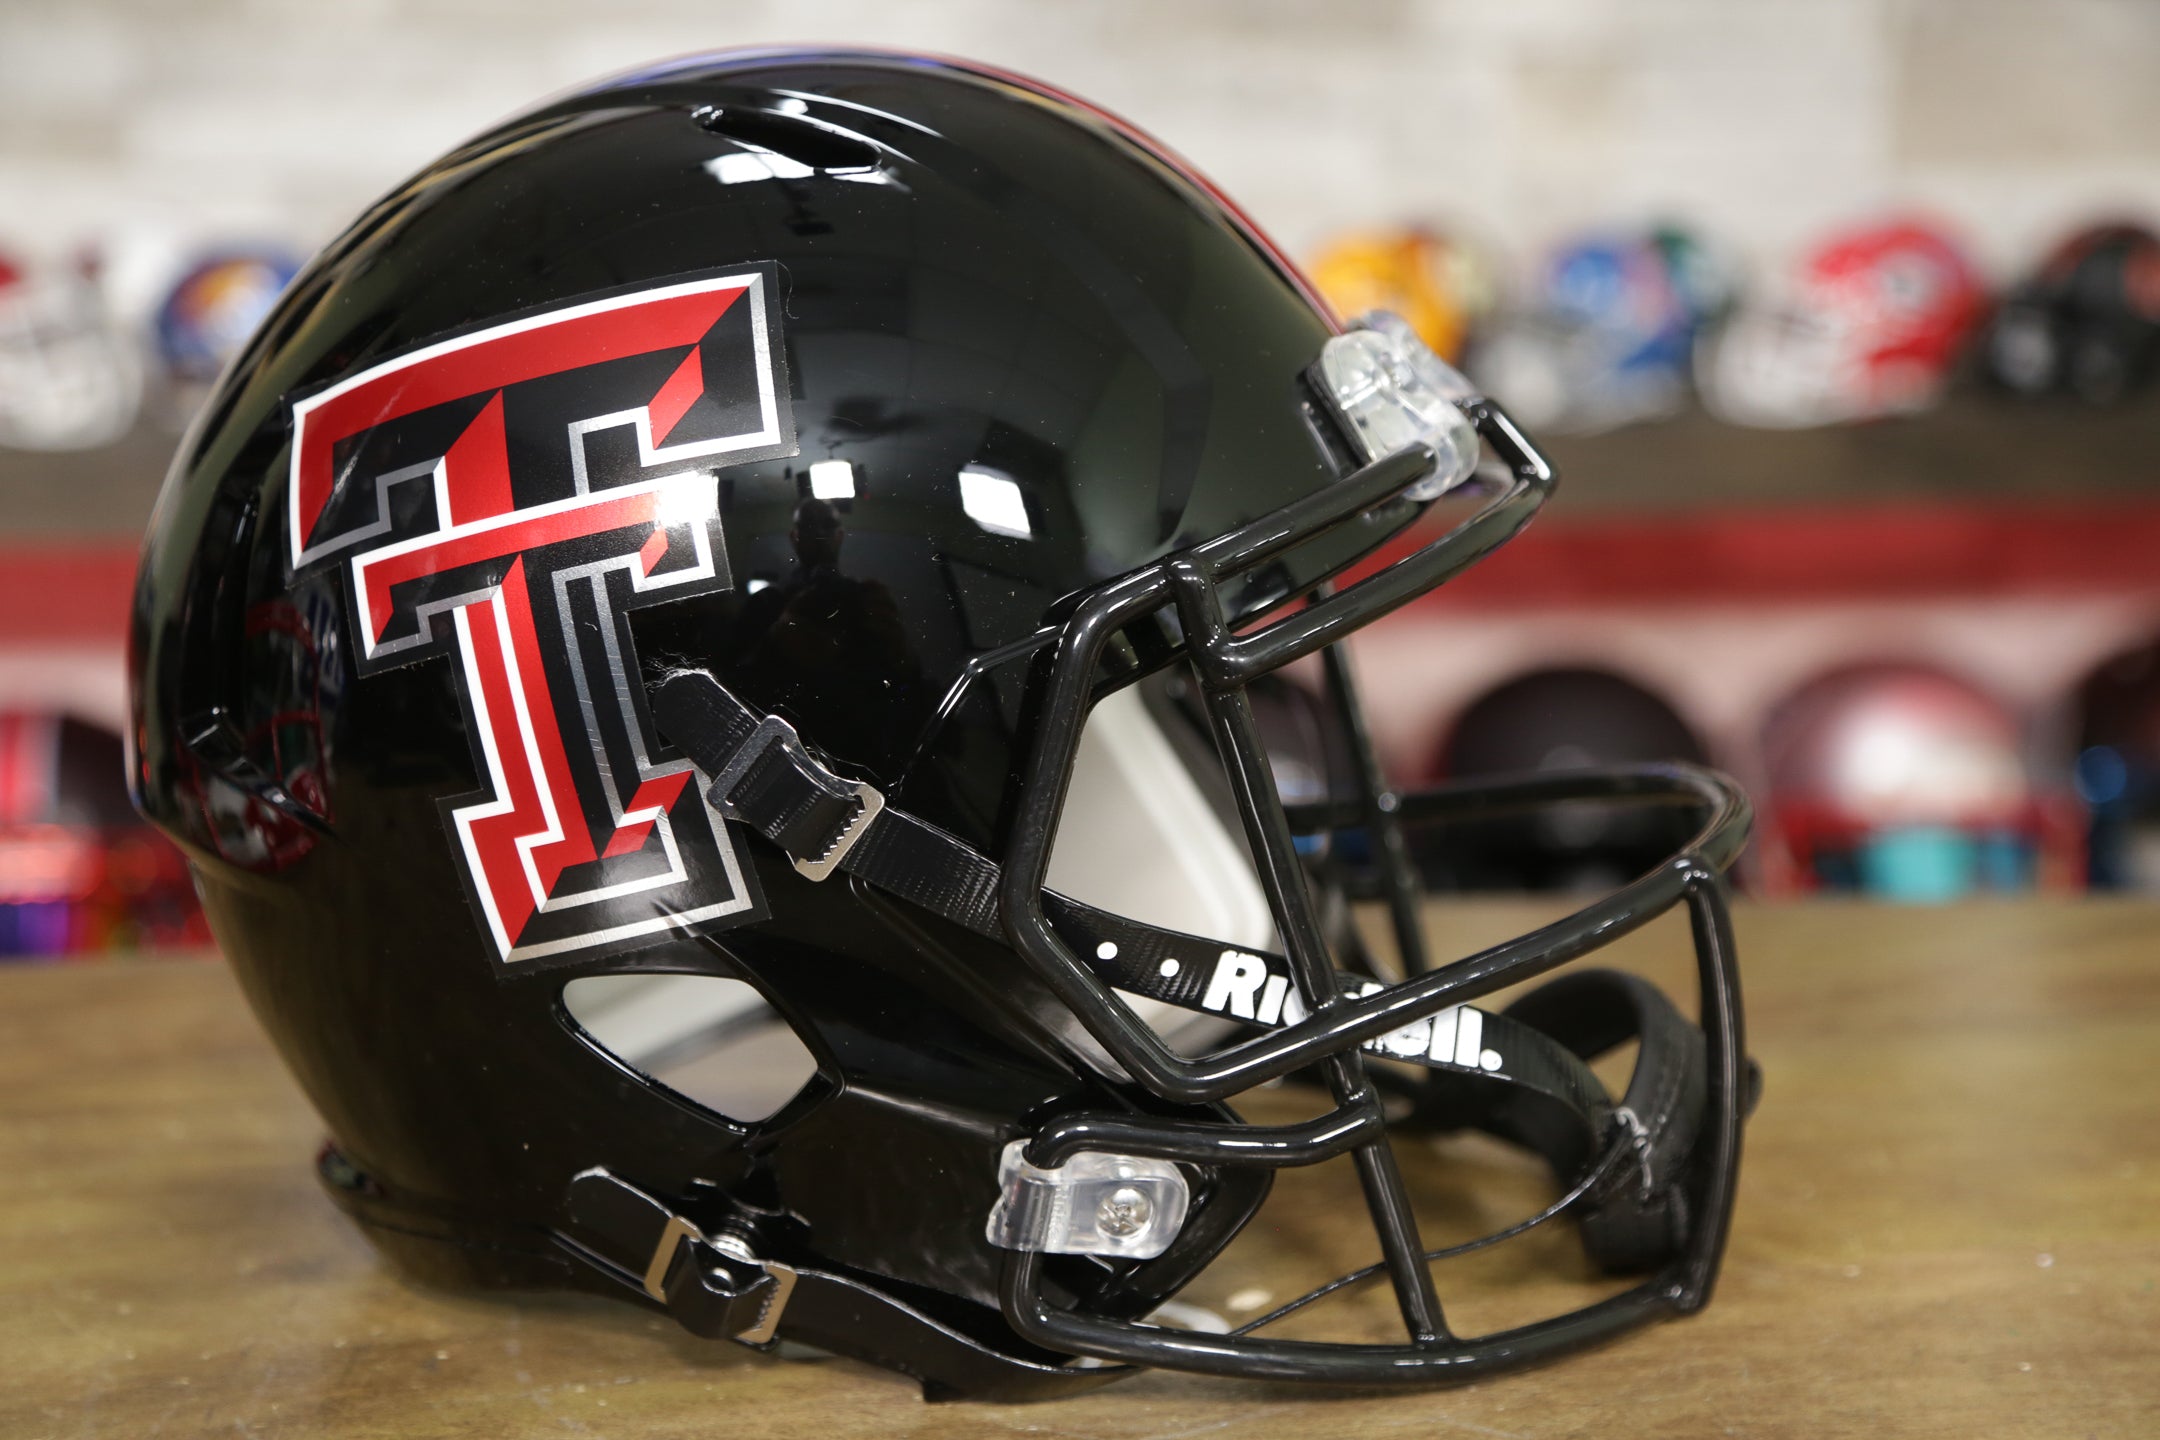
{"points": [[1974, 450], [104, 493]]}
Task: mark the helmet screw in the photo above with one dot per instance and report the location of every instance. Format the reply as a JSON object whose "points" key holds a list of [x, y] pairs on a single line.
{"points": [[1124, 1212]]}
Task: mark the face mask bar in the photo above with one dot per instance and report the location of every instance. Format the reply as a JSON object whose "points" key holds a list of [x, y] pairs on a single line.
{"points": [[1328, 1039]]}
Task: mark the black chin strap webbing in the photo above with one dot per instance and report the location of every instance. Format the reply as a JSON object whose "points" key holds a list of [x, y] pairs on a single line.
{"points": [[1521, 1073], [716, 1287]]}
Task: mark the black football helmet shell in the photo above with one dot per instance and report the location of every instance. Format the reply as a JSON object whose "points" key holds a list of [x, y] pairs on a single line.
{"points": [[720, 497], [2086, 323]]}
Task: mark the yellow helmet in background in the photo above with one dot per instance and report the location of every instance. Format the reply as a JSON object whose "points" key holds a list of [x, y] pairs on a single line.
{"points": [[1442, 287]]}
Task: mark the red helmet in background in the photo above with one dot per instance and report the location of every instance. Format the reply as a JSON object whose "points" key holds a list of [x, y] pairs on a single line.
{"points": [[1870, 324], [79, 870], [1904, 783]]}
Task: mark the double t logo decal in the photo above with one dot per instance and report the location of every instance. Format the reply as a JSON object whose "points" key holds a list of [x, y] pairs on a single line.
{"points": [[508, 497]]}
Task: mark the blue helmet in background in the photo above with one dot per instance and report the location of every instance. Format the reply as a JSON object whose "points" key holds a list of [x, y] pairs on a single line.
{"points": [[1607, 334], [210, 312]]}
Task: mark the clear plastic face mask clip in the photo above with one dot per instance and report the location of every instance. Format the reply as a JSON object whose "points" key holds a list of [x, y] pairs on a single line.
{"points": [[1394, 391]]}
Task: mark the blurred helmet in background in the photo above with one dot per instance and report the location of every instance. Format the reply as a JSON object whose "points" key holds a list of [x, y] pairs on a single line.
{"points": [[66, 381], [212, 310], [1607, 334], [1702, 278], [2086, 323], [2117, 770], [1870, 324], [1569, 719], [1902, 782], [79, 870], [1441, 286]]}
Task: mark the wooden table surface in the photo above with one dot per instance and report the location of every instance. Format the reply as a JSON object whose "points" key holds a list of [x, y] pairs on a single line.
{"points": [[1949, 1225]]}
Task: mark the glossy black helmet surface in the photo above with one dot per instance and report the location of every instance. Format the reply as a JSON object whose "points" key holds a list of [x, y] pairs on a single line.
{"points": [[698, 532]]}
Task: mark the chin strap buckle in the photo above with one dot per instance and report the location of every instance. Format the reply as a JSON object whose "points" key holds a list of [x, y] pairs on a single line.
{"points": [[714, 1284], [774, 785], [685, 1253], [1638, 1139]]}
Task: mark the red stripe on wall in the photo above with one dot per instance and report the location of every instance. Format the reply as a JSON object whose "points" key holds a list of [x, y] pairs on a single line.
{"points": [[66, 593], [80, 593]]}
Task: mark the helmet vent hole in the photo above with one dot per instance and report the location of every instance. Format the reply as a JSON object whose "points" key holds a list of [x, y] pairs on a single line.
{"points": [[710, 1039]]}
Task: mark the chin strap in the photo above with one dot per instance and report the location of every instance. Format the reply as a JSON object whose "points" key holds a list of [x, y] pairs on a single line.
{"points": [[1521, 1073], [717, 1287]]}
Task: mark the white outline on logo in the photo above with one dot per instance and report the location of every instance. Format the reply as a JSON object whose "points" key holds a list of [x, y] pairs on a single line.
{"points": [[649, 454]]}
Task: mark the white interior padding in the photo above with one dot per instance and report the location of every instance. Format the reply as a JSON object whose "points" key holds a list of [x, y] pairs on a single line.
{"points": [[709, 1037], [1139, 839], [640, 1016]]}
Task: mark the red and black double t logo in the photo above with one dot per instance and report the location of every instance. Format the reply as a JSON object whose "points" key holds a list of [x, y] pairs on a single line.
{"points": [[504, 499]]}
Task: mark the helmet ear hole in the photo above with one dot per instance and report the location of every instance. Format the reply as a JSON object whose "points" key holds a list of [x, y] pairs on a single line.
{"points": [[713, 1040]]}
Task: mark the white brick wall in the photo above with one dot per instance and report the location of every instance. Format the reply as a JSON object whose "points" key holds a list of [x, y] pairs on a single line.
{"points": [[1761, 119]]}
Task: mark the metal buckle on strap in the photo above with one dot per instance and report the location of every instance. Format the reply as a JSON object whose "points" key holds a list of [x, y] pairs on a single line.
{"points": [[872, 802], [677, 1230], [1638, 1139], [772, 732]]}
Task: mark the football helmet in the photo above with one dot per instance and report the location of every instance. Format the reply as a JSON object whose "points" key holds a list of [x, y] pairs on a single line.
{"points": [[737, 490], [1871, 324], [1442, 287], [79, 870], [1902, 782], [2087, 322], [2117, 770], [1608, 335], [1555, 720], [67, 381], [214, 307]]}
